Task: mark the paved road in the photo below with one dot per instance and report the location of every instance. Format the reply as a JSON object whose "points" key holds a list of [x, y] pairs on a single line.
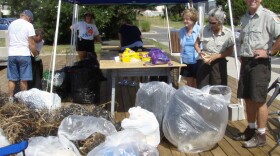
{"points": [[159, 34]]}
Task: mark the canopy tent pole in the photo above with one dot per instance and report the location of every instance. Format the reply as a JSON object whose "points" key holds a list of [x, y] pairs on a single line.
{"points": [[55, 44], [168, 29], [73, 35], [240, 116]]}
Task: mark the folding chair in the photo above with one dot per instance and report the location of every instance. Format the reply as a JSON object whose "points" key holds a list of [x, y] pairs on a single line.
{"points": [[276, 86]]}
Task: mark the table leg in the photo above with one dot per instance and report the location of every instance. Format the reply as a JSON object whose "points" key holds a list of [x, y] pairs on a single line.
{"points": [[113, 93], [169, 79]]}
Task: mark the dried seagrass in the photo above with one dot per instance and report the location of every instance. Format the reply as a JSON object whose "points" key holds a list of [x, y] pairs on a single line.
{"points": [[90, 143], [19, 122]]}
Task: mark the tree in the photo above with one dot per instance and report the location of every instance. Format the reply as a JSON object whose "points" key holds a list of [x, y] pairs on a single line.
{"points": [[239, 8], [45, 15], [108, 18]]}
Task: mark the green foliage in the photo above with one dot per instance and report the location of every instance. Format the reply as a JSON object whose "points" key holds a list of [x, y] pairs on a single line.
{"points": [[239, 8], [108, 18], [45, 15], [272, 5], [175, 12], [145, 26]]}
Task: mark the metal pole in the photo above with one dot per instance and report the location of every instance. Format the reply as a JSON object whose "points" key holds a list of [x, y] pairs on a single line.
{"points": [[168, 29], [55, 44], [240, 116]]}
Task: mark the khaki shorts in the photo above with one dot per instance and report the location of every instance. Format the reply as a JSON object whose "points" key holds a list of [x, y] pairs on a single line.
{"points": [[254, 79]]}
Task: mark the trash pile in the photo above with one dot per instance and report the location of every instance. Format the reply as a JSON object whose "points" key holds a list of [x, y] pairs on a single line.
{"points": [[19, 122], [193, 120]]}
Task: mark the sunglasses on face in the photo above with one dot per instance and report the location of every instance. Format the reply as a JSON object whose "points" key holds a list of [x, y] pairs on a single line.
{"points": [[213, 23]]}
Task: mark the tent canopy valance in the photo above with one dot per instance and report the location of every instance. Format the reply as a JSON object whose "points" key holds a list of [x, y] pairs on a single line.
{"points": [[131, 1]]}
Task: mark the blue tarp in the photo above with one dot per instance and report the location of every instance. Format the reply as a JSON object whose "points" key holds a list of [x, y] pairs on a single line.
{"points": [[131, 1]]}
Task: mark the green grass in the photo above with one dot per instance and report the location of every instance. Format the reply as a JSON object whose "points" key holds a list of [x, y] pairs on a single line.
{"points": [[159, 21], [64, 49], [2, 42]]}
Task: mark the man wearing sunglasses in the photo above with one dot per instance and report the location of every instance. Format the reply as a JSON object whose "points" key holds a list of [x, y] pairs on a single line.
{"points": [[259, 38], [21, 45]]}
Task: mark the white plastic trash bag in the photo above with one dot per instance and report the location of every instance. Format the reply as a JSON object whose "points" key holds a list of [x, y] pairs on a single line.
{"points": [[196, 120], [145, 122], [154, 97], [3, 139], [46, 146], [125, 143], [77, 127], [58, 79], [38, 99]]}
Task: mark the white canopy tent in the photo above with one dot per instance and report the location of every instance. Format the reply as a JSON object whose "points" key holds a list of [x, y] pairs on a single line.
{"points": [[75, 18]]}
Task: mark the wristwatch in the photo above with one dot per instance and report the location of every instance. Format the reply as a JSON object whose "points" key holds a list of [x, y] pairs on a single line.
{"points": [[268, 52]]}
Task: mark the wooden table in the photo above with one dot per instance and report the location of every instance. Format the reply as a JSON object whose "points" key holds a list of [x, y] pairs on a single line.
{"points": [[120, 69]]}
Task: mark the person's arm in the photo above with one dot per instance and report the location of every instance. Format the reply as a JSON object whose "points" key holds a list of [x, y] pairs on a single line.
{"points": [[198, 49], [98, 39], [32, 46], [224, 54], [120, 38], [276, 46], [275, 49]]}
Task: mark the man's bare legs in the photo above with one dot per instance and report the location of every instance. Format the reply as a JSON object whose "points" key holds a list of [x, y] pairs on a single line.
{"points": [[256, 111], [11, 85], [23, 85], [189, 81]]}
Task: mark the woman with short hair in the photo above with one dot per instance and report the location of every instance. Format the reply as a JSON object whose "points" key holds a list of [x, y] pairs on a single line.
{"points": [[188, 35], [217, 43]]}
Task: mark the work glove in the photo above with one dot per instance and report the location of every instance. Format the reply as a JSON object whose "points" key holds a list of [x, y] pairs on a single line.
{"points": [[37, 58]]}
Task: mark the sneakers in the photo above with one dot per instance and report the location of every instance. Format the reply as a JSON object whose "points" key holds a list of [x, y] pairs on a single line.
{"points": [[246, 135], [257, 140]]}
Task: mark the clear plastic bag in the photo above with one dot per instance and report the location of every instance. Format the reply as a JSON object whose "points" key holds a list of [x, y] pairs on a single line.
{"points": [[76, 127], [125, 143], [46, 146], [154, 97], [195, 120], [38, 99]]}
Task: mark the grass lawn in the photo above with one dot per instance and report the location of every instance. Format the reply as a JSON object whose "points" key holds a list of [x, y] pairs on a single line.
{"points": [[159, 21], [64, 49]]}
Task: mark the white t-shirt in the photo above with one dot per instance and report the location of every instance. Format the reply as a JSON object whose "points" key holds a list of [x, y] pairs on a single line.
{"points": [[19, 31], [86, 31]]}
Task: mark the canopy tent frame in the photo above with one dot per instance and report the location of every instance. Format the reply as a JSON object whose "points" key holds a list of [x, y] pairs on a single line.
{"points": [[100, 2]]}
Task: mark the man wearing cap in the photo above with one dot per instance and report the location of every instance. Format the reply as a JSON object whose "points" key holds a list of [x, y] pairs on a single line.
{"points": [[21, 45]]}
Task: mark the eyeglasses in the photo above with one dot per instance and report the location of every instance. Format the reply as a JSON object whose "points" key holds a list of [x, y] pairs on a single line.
{"points": [[212, 23]]}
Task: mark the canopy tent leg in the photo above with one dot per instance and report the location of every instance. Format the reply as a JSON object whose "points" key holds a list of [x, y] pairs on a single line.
{"points": [[241, 115], [73, 35]]}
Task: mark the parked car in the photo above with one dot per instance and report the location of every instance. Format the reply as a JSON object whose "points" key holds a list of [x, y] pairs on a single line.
{"points": [[5, 22]]}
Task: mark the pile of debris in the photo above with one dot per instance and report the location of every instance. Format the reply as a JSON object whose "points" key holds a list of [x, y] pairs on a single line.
{"points": [[19, 122]]}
